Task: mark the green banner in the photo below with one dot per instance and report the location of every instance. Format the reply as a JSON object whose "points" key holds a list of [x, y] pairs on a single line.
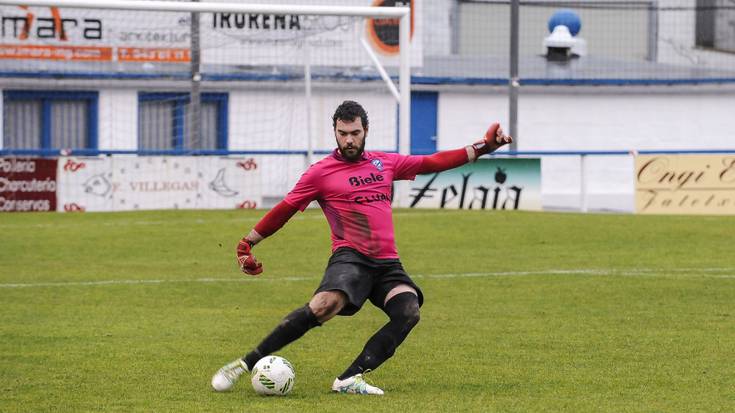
{"points": [[485, 184]]}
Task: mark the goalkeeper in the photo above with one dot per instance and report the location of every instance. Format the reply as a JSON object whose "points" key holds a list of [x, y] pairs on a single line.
{"points": [[353, 188]]}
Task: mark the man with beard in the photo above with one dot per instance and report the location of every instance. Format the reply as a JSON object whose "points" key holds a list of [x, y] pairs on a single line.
{"points": [[353, 188]]}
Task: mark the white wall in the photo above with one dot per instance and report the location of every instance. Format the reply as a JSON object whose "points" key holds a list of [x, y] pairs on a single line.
{"points": [[118, 119], [676, 39], [550, 119], [276, 119], [436, 32], [598, 119], [618, 121]]}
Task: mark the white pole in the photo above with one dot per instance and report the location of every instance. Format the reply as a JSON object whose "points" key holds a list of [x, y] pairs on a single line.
{"points": [[195, 118], [404, 79], [153, 5], [383, 74], [583, 183], [514, 85], [307, 96]]}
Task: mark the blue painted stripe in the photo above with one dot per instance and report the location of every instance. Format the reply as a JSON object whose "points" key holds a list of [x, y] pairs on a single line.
{"points": [[93, 122], [46, 123], [94, 75], [695, 151], [438, 80], [50, 94], [182, 96], [219, 152], [178, 119], [615, 153], [223, 110], [418, 80], [626, 82]]}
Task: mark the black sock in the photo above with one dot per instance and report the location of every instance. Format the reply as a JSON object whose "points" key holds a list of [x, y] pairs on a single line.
{"points": [[403, 310], [292, 327]]}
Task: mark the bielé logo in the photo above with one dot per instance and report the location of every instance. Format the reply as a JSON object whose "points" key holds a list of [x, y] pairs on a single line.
{"points": [[359, 180]]}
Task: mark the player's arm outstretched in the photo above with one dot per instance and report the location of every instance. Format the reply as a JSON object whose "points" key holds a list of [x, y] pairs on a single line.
{"points": [[441, 161], [267, 226]]}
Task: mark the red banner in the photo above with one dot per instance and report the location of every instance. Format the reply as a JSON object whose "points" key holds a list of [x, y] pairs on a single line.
{"points": [[66, 53], [27, 184], [153, 54]]}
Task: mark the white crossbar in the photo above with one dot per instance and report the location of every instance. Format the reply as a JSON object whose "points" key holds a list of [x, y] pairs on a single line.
{"points": [[362, 11]]}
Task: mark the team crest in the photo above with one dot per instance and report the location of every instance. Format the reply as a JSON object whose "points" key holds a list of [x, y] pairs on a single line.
{"points": [[378, 164]]}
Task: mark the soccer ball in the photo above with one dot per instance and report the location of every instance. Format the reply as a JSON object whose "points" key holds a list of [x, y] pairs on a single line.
{"points": [[273, 375]]}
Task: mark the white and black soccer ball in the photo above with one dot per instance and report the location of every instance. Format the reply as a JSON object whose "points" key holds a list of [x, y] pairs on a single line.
{"points": [[273, 375]]}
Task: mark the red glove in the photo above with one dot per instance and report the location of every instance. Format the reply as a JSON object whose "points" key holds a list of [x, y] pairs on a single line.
{"points": [[248, 263], [493, 139]]}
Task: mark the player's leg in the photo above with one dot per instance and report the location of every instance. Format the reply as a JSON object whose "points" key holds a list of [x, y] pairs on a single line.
{"points": [[402, 307], [401, 304], [344, 288], [322, 307]]}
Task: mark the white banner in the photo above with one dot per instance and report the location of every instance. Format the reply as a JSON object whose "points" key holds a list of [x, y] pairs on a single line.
{"points": [[52, 33], [135, 183]]}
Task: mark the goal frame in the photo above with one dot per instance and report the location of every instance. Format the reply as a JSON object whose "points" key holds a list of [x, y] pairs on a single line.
{"points": [[402, 13]]}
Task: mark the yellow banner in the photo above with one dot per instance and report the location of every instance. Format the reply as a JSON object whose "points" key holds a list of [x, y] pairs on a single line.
{"points": [[685, 184]]}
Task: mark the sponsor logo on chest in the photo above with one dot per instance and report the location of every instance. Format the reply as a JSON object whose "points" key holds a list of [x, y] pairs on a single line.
{"points": [[365, 180]]}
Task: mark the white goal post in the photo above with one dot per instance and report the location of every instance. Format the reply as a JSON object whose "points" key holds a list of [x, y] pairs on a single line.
{"points": [[401, 13], [223, 103]]}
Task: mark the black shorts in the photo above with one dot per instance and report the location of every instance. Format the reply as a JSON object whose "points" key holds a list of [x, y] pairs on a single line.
{"points": [[361, 277]]}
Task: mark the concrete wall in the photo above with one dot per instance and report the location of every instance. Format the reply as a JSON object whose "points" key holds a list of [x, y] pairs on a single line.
{"points": [[569, 119], [676, 39], [118, 119], [577, 118], [594, 119], [550, 119], [276, 119], [482, 29]]}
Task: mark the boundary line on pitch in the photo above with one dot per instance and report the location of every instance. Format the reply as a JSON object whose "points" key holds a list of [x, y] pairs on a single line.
{"points": [[201, 221], [635, 272]]}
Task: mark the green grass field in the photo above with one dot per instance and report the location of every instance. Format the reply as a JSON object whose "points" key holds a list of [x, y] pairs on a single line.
{"points": [[524, 312]]}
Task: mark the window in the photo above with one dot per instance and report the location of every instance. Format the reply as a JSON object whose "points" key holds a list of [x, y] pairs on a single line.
{"points": [[49, 120], [163, 122], [715, 25]]}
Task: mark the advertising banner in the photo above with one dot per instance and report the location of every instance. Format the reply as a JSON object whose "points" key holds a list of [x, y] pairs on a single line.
{"points": [[685, 184], [136, 183], [27, 184], [85, 184], [69, 34], [485, 184]]}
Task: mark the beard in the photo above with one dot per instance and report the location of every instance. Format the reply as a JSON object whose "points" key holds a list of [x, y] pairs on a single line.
{"points": [[352, 152]]}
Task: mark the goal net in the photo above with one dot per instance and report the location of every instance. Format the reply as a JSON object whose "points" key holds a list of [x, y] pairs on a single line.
{"points": [[220, 104]]}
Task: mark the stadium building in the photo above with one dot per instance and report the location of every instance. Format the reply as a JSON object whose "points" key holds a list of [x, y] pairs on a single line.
{"points": [[637, 76]]}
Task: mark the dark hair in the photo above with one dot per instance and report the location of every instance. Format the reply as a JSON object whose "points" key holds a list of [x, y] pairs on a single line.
{"points": [[348, 111]]}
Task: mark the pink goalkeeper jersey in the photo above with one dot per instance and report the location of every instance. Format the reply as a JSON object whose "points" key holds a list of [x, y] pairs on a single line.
{"points": [[355, 198]]}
